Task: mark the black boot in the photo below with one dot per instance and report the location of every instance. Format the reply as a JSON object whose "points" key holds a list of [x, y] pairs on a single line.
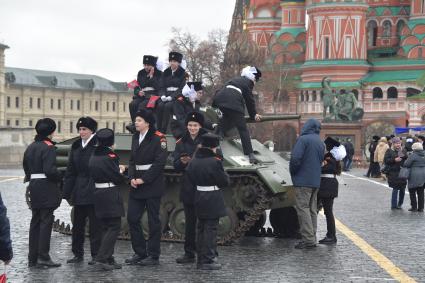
{"points": [[186, 259], [135, 259], [75, 259], [328, 240], [47, 263], [253, 159]]}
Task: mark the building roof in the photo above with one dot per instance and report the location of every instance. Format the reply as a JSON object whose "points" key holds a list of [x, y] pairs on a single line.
{"points": [[52, 79], [318, 85], [392, 76], [3, 46]]}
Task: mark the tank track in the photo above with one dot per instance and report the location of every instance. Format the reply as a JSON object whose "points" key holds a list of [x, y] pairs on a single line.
{"points": [[251, 216]]}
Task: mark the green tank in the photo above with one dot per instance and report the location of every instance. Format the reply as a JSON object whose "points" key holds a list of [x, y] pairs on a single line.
{"points": [[253, 188]]}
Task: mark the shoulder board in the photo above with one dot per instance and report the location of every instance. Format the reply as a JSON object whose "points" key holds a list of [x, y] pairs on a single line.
{"points": [[179, 140], [180, 98], [218, 158], [159, 134], [48, 143], [112, 155]]}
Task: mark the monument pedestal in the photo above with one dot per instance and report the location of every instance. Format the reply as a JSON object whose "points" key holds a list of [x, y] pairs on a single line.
{"points": [[342, 131]]}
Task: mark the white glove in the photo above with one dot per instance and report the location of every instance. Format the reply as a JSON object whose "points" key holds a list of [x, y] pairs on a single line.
{"points": [[169, 98], [163, 98]]}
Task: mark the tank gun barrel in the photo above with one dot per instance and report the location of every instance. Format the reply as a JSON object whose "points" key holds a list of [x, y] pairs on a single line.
{"points": [[273, 117]]}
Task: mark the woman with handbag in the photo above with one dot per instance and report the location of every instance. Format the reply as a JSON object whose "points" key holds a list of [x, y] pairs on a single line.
{"points": [[416, 164], [393, 160]]}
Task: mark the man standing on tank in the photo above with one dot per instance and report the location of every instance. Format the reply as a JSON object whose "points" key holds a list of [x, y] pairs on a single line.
{"points": [[149, 80], [79, 188], [231, 101], [305, 168], [40, 170], [146, 172]]}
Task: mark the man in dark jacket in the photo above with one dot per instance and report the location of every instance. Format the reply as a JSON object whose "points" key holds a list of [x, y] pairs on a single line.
{"points": [[109, 207], [149, 80], [231, 101], [78, 190], [146, 172], [305, 167], [40, 170], [172, 82], [206, 172], [185, 148], [348, 160], [394, 159], [6, 252], [373, 170]]}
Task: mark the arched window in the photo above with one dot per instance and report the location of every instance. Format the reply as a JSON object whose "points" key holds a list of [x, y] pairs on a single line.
{"points": [[307, 98], [377, 93], [372, 33], [314, 97], [386, 29], [392, 92], [400, 25], [302, 97], [356, 93]]}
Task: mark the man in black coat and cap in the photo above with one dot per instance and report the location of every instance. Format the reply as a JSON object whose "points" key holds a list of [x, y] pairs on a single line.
{"points": [[78, 190], [40, 171], [146, 172], [149, 80], [109, 207], [6, 252], [231, 101], [172, 82], [206, 172], [373, 170]]}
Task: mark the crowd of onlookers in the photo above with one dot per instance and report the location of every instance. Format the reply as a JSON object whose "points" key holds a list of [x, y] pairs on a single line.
{"points": [[400, 161]]}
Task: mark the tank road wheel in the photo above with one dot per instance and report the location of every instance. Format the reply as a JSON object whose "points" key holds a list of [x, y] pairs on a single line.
{"points": [[227, 223], [178, 222], [284, 222], [145, 226]]}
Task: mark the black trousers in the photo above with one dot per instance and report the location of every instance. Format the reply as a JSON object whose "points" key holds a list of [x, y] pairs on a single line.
{"points": [[40, 233], [233, 119], [81, 213], [419, 203], [374, 170], [190, 230], [136, 207], [328, 204], [164, 111], [207, 240], [111, 228], [137, 104]]}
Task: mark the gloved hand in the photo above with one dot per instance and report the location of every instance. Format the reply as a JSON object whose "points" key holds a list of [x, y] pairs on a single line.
{"points": [[169, 98], [163, 98]]}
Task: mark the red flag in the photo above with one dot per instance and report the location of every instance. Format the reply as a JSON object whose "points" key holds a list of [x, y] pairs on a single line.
{"points": [[152, 101], [133, 84]]}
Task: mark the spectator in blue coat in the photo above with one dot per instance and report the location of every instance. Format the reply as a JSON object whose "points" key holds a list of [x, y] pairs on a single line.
{"points": [[305, 168], [6, 253]]}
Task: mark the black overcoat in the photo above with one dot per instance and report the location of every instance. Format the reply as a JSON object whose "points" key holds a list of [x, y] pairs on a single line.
{"points": [[104, 168], [393, 169], [206, 169], [145, 81], [329, 186], [170, 79], [78, 186], [152, 150], [40, 158]]}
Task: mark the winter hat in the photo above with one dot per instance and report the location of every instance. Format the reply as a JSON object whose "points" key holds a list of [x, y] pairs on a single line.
{"points": [[147, 115], [87, 122], [195, 117], [105, 137], [45, 127]]}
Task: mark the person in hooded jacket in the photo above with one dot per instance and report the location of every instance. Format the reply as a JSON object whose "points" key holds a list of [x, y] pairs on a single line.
{"points": [[183, 153], [416, 163], [107, 175], [40, 171], [206, 172], [6, 251], [172, 82], [187, 102], [78, 190], [146, 172], [394, 158], [328, 190], [305, 169], [149, 80], [231, 101]]}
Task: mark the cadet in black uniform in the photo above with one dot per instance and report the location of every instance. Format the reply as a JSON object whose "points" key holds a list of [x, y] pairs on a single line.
{"points": [[146, 172], [78, 190], [185, 147], [188, 101], [109, 208], [40, 170], [231, 101], [206, 172], [172, 82], [149, 79]]}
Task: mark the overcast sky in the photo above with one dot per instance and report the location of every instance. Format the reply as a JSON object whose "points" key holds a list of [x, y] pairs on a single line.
{"points": [[106, 38]]}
